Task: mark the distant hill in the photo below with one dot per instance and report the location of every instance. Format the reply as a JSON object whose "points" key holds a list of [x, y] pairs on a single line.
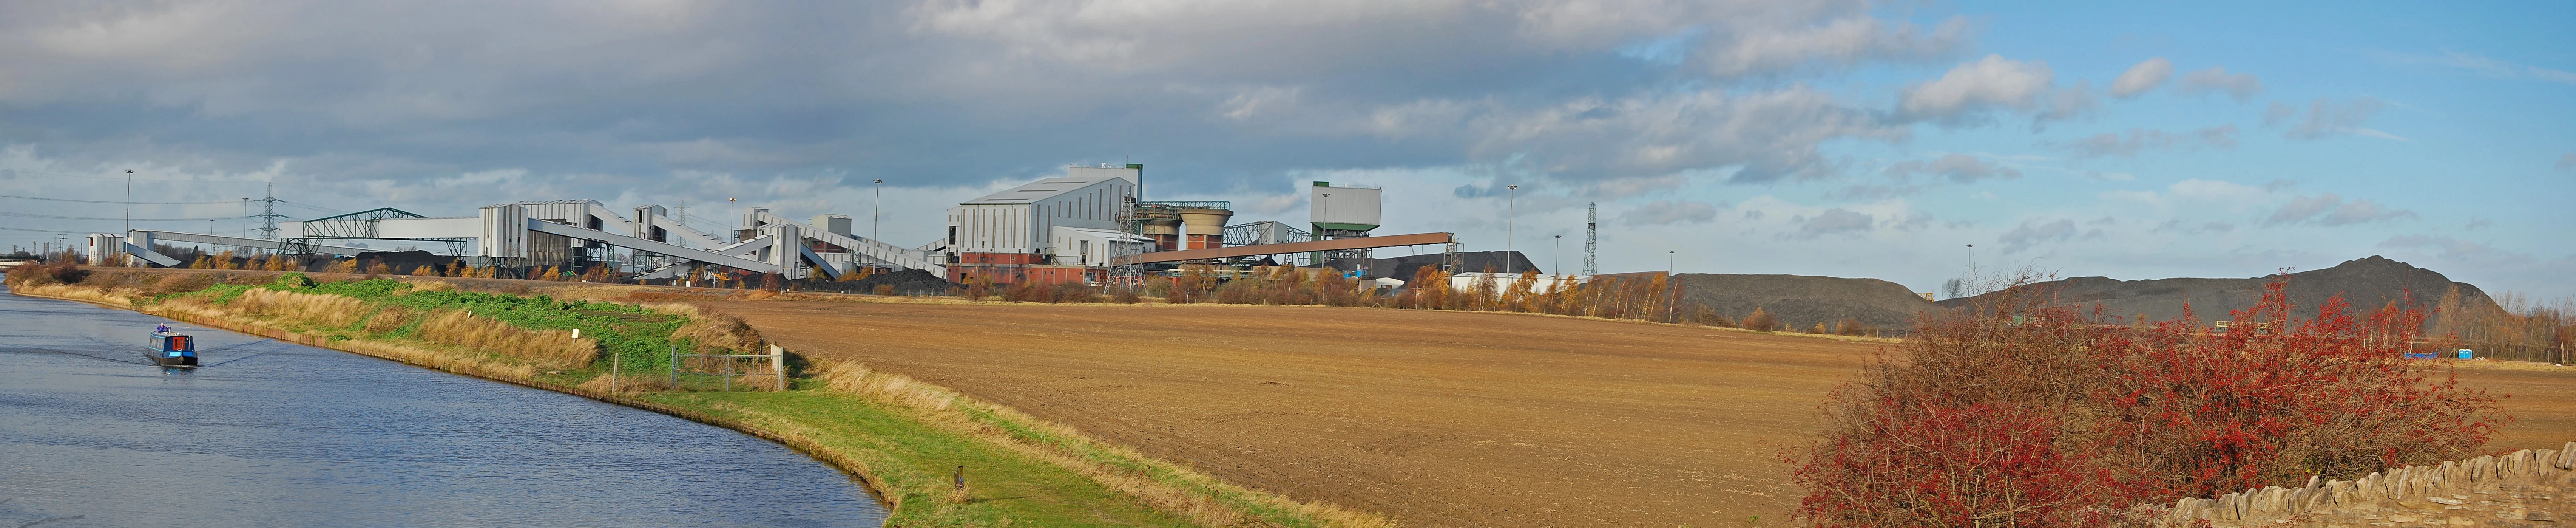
{"points": [[2366, 283], [1801, 301]]}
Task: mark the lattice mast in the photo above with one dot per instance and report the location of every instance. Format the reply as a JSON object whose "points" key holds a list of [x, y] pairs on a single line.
{"points": [[1591, 237], [268, 214]]}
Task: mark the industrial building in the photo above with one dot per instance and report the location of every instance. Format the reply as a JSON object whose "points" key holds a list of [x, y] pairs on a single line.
{"points": [[1089, 225]]}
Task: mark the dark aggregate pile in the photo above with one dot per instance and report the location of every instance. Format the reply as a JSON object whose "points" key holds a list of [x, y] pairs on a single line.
{"points": [[1476, 261], [2367, 283], [906, 282]]}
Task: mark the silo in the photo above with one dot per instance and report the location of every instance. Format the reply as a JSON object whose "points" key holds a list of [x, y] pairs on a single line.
{"points": [[1206, 226], [1349, 209]]}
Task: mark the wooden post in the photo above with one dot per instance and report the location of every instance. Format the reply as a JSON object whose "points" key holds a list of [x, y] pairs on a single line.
{"points": [[778, 365], [675, 366], [612, 373]]}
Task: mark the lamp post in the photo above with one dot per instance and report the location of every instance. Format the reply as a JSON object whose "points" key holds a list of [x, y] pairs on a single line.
{"points": [[877, 212], [1511, 206], [729, 221], [1556, 260], [129, 212]]}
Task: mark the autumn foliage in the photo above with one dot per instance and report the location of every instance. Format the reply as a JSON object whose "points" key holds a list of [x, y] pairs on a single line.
{"points": [[2021, 412]]}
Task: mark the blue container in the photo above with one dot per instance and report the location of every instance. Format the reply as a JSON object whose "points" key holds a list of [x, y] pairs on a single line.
{"points": [[2464, 353]]}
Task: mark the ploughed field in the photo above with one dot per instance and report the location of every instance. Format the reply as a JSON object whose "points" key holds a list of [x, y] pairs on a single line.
{"points": [[1434, 418]]}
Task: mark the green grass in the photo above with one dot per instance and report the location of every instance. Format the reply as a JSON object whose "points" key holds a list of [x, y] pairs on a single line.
{"points": [[915, 461], [640, 337]]}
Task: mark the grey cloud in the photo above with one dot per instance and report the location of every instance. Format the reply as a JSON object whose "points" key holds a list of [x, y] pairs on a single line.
{"points": [[2281, 184], [2477, 223], [2330, 210], [2142, 77], [1961, 168], [2029, 235], [2493, 68], [1875, 192], [1836, 220], [2179, 226], [1662, 212], [1965, 93], [2326, 118], [1753, 50], [588, 98], [2359, 211], [2241, 86], [2142, 139], [2567, 161]]}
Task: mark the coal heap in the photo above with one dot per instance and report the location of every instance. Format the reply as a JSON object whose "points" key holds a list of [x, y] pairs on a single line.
{"points": [[2367, 283]]}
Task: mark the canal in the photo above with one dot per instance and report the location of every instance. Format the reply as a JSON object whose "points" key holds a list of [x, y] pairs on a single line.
{"points": [[275, 434]]}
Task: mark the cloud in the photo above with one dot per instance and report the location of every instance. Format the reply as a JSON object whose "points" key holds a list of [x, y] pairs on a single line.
{"points": [[953, 92], [2567, 161], [1966, 92], [2491, 67], [2241, 86], [1662, 212], [2140, 139], [2030, 235], [2325, 118], [1874, 192], [2331, 211], [1763, 136], [1961, 168], [2193, 228], [2142, 77], [1836, 220]]}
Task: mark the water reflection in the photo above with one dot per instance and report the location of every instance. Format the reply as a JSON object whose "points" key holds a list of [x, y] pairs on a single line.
{"points": [[276, 434]]}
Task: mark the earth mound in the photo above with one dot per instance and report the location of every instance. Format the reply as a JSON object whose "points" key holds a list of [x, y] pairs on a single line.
{"points": [[2367, 283], [1801, 301]]}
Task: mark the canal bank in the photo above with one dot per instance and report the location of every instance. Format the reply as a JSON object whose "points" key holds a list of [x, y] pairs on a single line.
{"points": [[905, 439]]}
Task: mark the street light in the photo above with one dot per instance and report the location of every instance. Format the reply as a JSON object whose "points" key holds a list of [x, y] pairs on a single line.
{"points": [[1511, 204], [1557, 259], [729, 220], [878, 212]]}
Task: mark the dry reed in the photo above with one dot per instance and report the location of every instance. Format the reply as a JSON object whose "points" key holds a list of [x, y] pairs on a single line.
{"points": [[550, 348]]}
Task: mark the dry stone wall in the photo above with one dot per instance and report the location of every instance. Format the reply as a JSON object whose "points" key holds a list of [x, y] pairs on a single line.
{"points": [[2525, 488]]}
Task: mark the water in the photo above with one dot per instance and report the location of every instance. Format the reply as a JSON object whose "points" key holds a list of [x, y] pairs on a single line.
{"points": [[275, 434]]}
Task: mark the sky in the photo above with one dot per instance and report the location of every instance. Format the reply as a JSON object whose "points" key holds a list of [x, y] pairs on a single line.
{"points": [[1839, 138]]}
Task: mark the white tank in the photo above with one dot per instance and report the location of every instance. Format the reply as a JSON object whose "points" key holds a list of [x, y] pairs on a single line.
{"points": [[1347, 207]]}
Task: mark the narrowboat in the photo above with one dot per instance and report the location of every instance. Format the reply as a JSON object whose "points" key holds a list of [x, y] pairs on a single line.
{"points": [[172, 349]]}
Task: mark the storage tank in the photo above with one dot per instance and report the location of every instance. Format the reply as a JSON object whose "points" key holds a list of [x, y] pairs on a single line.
{"points": [[1344, 208], [1207, 226]]}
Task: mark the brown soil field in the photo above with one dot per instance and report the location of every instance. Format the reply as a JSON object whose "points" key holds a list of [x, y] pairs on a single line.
{"points": [[1433, 418]]}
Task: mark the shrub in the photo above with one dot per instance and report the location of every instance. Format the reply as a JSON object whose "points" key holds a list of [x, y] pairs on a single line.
{"points": [[1761, 321], [884, 289], [2165, 410], [1851, 326], [1709, 316]]}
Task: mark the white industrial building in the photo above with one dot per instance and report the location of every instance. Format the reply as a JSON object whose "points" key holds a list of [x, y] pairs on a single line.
{"points": [[1064, 221]]}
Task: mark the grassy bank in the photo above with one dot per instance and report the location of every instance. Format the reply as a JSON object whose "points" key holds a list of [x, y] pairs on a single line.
{"points": [[905, 439]]}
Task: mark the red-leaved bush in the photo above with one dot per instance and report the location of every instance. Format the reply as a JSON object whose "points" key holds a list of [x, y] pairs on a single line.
{"points": [[2020, 412]]}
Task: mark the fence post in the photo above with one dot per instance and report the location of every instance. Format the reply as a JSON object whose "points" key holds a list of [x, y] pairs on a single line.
{"points": [[778, 365], [675, 366], [612, 372]]}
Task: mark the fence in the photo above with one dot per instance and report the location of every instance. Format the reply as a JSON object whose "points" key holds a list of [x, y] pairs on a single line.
{"points": [[727, 368], [2517, 486]]}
